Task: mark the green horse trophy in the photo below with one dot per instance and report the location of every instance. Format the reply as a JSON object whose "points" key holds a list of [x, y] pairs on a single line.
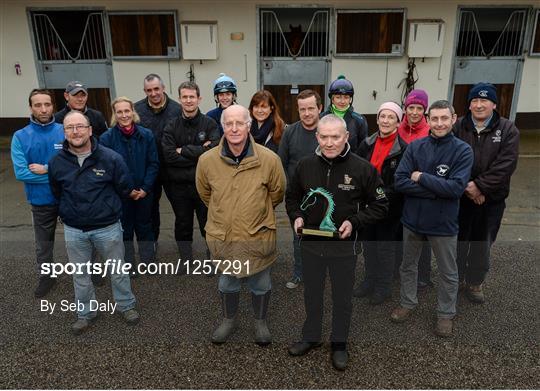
{"points": [[327, 228]]}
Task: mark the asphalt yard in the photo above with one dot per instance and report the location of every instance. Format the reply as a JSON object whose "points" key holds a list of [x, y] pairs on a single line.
{"points": [[496, 345]]}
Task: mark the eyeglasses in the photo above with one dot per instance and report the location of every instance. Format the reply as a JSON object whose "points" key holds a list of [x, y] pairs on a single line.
{"points": [[238, 124], [71, 128]]}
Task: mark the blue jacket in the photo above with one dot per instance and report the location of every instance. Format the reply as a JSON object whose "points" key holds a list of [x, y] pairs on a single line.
{"points": [[432, 204], [215, 114], [139, 152], [36, 143], [90, 196]]}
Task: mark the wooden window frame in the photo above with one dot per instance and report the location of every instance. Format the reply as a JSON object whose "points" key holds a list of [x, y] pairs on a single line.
{"points": [[370, 11], [535, 37], [176, 55]]}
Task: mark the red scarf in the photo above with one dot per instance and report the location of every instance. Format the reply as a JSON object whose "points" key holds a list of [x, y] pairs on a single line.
{"points": [[381, 150], [127, 131], [413, 132]]}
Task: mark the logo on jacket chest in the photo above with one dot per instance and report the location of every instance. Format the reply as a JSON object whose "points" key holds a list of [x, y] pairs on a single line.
{"points": [[98, 172], [346, 185], [497, 137], [58, 145], [442, 170]]}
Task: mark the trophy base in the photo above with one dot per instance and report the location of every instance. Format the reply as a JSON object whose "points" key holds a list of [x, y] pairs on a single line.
{"points": [[318, 232]]}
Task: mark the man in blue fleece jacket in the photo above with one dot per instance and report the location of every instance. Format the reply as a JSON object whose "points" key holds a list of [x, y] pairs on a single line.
{"points": [[432, 175], [31, 148]]}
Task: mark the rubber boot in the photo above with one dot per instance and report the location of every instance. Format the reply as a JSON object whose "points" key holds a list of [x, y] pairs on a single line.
{"points": [[260, 307], [228, 325]]}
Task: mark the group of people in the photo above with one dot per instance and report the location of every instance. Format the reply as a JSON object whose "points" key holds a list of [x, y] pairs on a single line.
{"points": [[423, 182]]}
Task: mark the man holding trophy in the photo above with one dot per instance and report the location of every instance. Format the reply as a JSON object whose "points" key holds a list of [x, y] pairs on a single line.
{"points": [[332, 195]]}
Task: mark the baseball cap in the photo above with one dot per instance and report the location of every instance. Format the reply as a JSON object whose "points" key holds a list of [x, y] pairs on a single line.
{"points": [[74, 87]]}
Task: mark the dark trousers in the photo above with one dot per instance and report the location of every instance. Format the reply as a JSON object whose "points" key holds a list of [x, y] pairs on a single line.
{"points": [[137, 220], [424, 263], [341, 270], [156, 218], [44, 218], [185, 200], [478, 228], [380, 245]]}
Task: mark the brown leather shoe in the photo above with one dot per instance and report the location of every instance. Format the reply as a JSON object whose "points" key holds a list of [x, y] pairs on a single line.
{"points": [[400, 314], [444, 327], [475, 294]]}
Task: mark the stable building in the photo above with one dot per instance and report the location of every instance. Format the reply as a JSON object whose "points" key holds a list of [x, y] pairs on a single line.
{"points": [[384, 47]]}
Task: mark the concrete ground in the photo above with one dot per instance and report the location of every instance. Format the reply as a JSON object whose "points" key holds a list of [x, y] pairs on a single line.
{"points": [[496, 345]]}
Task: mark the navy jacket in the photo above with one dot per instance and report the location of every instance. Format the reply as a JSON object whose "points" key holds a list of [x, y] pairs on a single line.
{"points": [[89, 196], [215, 114], [432, 204], [139, 152]]}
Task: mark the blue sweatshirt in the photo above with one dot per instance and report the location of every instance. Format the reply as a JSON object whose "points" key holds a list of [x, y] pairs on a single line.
{"points": [[432, 204], [36, 143]]}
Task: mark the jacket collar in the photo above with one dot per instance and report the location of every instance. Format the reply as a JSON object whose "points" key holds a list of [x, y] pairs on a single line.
{"points": [[158, 110], [343, 156], [441, 140], [93, 140], [37, 123], [396, 146], [469, 124], [249, 161]]}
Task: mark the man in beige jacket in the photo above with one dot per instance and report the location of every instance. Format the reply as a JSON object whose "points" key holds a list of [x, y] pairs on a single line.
{"points": [[241, 183]]}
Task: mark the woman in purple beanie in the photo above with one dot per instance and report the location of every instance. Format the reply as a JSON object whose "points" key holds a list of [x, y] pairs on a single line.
{"points": [[414, 124]]}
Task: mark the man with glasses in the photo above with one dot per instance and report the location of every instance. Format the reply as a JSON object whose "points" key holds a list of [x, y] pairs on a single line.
{"points": [[76, 96], [31, 148], [299, 141], [89, 181], [184, 139], [241, 182]]}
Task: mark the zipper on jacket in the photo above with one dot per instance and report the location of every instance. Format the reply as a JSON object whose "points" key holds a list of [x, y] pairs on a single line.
{"points": [[328, 176]]}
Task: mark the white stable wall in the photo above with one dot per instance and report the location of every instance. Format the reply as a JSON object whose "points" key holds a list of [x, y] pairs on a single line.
{"points": [[367, 74]]}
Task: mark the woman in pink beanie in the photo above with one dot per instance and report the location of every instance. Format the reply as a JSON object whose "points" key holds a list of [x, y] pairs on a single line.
{"points": [[414, 124]]}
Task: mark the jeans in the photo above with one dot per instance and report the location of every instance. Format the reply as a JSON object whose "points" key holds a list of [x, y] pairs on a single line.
{"points": [[478, 228], [137, 219], [44, 219], [259, 283], [341, 270], [444, 248], [108, 243]]}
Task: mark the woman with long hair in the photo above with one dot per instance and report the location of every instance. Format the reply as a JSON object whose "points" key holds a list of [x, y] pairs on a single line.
{"points": [[267, 125]]}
